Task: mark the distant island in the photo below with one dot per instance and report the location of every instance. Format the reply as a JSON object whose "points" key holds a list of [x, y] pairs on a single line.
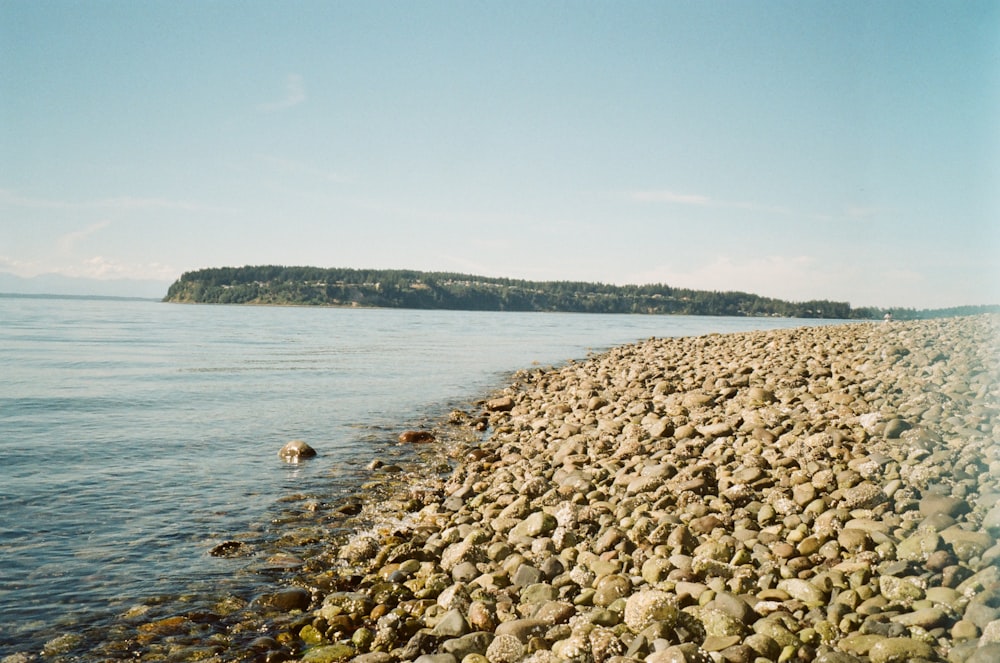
{"points": [[392, 288]]}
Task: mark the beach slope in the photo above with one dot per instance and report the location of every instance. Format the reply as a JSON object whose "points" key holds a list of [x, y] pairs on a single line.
{"points": [[824, 493]]}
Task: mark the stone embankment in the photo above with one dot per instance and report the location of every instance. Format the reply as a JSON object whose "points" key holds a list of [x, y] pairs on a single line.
{"points": [[817, 494]]}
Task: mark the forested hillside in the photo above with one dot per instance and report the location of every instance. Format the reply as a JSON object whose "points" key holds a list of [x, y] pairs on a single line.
{"points": [[274, 284]]}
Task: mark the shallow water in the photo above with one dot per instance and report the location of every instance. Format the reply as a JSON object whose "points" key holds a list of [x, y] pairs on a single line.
{"points": [[136, 435]]}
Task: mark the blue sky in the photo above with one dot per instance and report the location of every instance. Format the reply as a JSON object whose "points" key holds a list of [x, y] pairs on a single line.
{"points": [[845, 151]]}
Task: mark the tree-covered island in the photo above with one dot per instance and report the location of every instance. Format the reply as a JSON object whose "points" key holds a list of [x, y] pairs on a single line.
{"points": [[398, 288]]}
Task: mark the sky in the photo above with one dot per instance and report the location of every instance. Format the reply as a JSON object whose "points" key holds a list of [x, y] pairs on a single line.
{"points": [[802, 150]]}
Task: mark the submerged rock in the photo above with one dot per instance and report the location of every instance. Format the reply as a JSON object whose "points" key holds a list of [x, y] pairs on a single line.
{"points": [[230, 549], [416, 437], [295, 451]]}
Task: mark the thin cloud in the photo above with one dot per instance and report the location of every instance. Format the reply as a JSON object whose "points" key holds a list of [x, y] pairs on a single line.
{"points": [[96, 267], [66, 243], [24, 268], [99, 267], [295, 94]]}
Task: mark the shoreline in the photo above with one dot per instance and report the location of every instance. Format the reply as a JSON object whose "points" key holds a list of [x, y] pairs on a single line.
{"points": [[372, 307], [815, 493]]}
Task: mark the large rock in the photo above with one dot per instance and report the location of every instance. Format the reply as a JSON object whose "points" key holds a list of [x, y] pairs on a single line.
{"points": [[500, 404], [416, 437], [295, 451], [286, 600]]}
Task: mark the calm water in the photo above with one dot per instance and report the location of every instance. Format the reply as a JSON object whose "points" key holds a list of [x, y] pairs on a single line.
{"points": [[136, 435]]}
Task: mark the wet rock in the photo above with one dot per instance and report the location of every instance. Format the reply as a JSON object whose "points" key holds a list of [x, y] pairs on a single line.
{"points": [[286, 600], [62, 644], [416, 437], [296, 451], [230, 549]]}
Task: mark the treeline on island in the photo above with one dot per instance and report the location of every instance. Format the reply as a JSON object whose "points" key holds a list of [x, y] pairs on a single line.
{"points": [[390, 288]]}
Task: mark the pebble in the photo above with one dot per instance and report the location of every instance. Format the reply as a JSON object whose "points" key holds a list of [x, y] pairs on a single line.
{"points": [[815, 494]]}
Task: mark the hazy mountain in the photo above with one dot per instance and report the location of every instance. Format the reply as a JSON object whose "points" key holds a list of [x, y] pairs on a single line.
{"points": [[57, 284]]}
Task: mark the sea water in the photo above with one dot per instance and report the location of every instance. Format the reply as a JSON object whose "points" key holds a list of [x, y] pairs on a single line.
{"points": [[136, 435]]}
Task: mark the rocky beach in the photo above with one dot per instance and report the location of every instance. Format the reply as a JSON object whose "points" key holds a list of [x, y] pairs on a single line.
{"points": [[822, 493]]}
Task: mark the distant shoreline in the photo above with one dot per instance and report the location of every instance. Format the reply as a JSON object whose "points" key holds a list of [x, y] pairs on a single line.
{"points": [[412, 289], [26, 295]]}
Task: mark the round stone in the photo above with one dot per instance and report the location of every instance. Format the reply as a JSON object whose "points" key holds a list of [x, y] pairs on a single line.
{"points": [[295, 451]]}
